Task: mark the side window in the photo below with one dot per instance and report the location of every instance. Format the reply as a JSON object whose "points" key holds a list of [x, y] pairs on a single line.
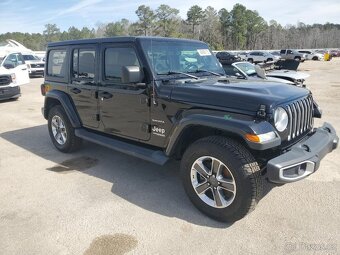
{"points": [[83, 64], [115, 59], [230, 70], [13, 60], [56, 65], [289, 52], [283, 52]]}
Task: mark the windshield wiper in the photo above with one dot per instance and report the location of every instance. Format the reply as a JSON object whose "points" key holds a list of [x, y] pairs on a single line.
{"points": [[207, 71], [175, 72]]}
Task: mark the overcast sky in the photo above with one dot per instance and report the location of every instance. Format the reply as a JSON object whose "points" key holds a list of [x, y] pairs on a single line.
{"points": [[31, 15]]}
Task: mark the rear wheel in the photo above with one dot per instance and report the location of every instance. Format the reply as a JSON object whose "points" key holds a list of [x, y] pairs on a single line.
{"points": [[297, 59], [250, 60], [269, 59], [221, 178], [315, 58], [61, 130]]}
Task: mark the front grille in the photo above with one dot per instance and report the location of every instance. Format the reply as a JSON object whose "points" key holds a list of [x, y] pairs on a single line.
{"points": [[300, 114], [5, 80], [37, 65]]}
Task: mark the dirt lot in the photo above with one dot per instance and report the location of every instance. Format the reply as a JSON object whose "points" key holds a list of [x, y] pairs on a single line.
{"points": [[98, 201]]}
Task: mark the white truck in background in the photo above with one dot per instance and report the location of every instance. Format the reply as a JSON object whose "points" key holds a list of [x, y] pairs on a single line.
{"points": [[13, 73]]}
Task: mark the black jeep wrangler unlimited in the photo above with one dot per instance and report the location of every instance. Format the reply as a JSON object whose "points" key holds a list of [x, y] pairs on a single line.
{"points": [[161, 98]]}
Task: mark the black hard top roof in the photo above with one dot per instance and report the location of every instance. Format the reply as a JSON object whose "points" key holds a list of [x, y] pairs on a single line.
{"points": [[117, 39]]}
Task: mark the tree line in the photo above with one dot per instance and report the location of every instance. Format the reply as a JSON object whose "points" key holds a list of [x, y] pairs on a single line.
{"points": [[235, 29]]}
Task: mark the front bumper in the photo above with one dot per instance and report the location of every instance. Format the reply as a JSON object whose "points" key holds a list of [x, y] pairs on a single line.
{"points": [[9, 92], [304, 157]]}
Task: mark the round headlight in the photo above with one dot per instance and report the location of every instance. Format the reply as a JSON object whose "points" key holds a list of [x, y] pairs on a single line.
{"points": [[280, 119]]}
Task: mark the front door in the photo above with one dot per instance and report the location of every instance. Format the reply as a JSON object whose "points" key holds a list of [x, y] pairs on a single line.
{"points": [[124, 108], [15, 63], [83, 85]]}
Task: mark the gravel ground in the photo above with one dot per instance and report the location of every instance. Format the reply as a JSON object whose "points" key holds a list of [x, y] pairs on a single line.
{"points": [[97, 201]]}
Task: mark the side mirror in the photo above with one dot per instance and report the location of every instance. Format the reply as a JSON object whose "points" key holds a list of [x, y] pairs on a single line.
{"points": [[131, 74], [9, 66], [260, 72]]}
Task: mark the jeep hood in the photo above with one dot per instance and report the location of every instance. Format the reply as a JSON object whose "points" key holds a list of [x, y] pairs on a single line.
{"points": [[244, 95]]}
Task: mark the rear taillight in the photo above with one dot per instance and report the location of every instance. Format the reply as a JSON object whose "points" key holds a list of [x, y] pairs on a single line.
{"points": [[43, 89]]}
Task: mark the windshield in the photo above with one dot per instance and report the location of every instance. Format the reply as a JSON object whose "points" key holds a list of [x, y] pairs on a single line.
{"points": [[246, 67], [170, 57], [30, 57]]}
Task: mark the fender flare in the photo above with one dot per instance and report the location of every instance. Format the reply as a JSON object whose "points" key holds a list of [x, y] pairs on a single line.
{"points": [[66, 103], [237, 127]]}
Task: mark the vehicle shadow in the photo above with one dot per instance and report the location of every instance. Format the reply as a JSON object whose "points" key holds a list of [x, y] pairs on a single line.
{"points": [[149, 186]]}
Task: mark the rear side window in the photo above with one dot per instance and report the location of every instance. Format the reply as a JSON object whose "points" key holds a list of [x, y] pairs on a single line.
{"points": [[83, 64], [56, 66]]}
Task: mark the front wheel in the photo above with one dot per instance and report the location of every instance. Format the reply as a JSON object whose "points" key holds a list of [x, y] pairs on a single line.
{"points": [[61, 130], [221, 178]]}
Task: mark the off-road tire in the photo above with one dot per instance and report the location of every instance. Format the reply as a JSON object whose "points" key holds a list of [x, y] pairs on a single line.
{"points": [[245, 171], [72, 142]]}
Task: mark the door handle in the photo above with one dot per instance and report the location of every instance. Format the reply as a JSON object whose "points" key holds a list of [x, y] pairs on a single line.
{"points": [[105, 94], [75, 90]]}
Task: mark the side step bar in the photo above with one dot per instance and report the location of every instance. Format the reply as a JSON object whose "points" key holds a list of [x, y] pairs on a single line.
{"points": [[154, 156]]}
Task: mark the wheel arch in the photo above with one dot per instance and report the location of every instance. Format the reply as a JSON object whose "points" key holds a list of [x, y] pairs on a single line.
{"points": [[196, 126], [55, 97], [192, 133]]}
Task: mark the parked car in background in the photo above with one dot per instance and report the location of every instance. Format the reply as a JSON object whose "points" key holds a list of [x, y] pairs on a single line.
{"points": [[227, 57], [35, 65], [276, 53], [243, 54], [259, 56], [292, 54], [13, 73], [335, 53], [311, 55], [249, 71]]}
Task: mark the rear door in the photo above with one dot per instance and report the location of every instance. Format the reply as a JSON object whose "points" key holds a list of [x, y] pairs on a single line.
{"points": [[15, 63], [83, 83]]}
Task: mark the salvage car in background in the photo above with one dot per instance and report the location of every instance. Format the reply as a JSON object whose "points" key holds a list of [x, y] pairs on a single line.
{"points": [[259, 56], [310, 55], [13, 73], [246, 70], [292, 54], [227, 57]]}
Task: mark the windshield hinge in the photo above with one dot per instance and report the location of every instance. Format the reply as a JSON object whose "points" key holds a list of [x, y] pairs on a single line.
{"points": [[261, 113]]}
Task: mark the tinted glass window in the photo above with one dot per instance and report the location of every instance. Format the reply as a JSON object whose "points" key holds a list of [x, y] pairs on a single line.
{"points": [[115, 59], [31, 57], [289, 52], [230, 70], [56, 65], [83, 64], [282, 51], [13, 60], [180, 56]]}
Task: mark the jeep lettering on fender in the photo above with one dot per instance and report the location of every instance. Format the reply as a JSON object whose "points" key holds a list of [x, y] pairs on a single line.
{"points": [[161, 98]]}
